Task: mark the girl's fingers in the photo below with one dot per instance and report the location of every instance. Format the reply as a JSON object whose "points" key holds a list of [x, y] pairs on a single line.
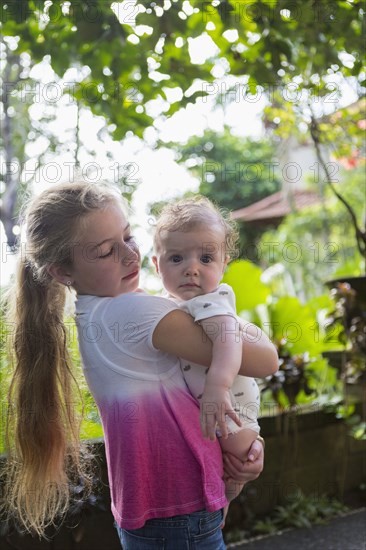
{"points": [[229, 472], [234, 464], [243, 471], [255, 451]]}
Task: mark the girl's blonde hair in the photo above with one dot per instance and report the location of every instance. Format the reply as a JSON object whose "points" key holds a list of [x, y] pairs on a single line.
{"points": [[45, 454], [189, 213]]}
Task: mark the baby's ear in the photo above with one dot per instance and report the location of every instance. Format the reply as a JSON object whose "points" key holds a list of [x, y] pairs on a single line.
{"points": [[226, 261], [155, 262]]}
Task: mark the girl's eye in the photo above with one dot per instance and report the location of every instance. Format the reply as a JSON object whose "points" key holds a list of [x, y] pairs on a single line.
{"points": [[176, 258], [206, 259], [111, 251], [130, 241]]}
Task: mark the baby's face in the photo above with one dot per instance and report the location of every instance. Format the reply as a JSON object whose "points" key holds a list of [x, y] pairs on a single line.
{"points": [[191, 263]]}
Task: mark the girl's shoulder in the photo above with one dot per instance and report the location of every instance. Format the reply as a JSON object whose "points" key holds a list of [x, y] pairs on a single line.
{"points": [[136, 302]]}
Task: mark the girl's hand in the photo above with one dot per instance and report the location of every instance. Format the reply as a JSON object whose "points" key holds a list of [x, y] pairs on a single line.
{"points": [[242, 472], [215, 404]]}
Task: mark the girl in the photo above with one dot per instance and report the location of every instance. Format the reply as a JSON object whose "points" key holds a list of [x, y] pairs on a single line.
{"points": [[165, 479]]}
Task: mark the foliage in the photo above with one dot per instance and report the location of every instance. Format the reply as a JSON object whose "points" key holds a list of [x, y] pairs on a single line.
{"points": [[136, 52], [349, 316], [245, 280], [303, 374], [233, 172], [4, 379], [297, 511], [301, 511], [291, 378], [14, 136], [347, 320], [327, 134], [133, 62], [320, 140], [318, 243], [296, 331], [41, 138]]}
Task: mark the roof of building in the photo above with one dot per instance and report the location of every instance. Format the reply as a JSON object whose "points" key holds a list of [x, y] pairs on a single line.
{"points": [[276, 206]]}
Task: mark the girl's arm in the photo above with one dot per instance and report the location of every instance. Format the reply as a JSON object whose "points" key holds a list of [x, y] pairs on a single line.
{"points": [[178, 334]]}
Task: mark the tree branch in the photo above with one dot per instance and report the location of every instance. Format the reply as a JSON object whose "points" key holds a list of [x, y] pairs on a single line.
{"points": [[360, 234]]}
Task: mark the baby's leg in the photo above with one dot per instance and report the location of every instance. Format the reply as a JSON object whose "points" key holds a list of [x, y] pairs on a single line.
{"points": [[238, 444]]}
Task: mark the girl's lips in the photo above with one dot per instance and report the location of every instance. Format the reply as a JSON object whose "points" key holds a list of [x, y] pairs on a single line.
{"points": [[131, 275], [190, 285]]}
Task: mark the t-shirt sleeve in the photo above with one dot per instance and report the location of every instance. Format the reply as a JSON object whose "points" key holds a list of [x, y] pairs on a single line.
{"points": [[141, 315], [162, 306], [219, 302]]}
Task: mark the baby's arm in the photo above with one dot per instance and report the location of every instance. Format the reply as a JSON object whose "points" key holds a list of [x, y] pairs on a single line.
{"points": [[224, 332]]}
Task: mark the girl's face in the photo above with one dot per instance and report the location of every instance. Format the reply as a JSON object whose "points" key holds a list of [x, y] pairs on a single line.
{"points": [[106, 259]]}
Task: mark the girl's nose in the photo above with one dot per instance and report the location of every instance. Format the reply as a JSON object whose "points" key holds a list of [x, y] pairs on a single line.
{"points": [[130, 254]]}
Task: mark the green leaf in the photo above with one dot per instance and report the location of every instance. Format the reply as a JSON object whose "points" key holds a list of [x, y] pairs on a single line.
{"points": [[245, 279], [295, 323]]}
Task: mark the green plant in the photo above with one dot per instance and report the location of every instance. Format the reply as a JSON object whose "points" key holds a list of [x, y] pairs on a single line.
{"points": [[297, 511], [291, 378], [301, 511], [350, 316], [320, 238], [294, 328]]}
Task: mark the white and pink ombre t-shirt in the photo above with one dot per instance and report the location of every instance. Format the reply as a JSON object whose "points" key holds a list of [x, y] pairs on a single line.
{"points": [[159, 465]]}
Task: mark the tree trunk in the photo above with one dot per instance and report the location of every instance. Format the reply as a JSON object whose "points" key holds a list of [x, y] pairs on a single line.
{"points": [[12, 168]]}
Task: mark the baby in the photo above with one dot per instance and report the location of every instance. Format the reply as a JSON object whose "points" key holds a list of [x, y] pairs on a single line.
{"points": [[192, 243]]}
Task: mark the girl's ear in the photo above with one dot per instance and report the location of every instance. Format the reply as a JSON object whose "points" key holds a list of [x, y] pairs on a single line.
{"points": [[155, 262], [60, 274]]}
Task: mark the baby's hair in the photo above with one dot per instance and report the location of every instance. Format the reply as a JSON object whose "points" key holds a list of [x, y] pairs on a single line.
{"points": [[45, 454], [189, 213]]}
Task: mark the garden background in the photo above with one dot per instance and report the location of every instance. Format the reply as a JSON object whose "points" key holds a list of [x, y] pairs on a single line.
{"points": [[259, 105]]}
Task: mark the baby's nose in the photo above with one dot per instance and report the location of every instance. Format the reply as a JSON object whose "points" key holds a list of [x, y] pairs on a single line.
{"points": [[191, 269]]}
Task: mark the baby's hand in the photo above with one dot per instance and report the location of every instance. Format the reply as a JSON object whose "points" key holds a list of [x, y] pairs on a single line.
{"points": [[215, 404]]}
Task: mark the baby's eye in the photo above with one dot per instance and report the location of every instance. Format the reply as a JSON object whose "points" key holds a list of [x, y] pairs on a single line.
{"points": [[206, 259], [176, 258]]}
